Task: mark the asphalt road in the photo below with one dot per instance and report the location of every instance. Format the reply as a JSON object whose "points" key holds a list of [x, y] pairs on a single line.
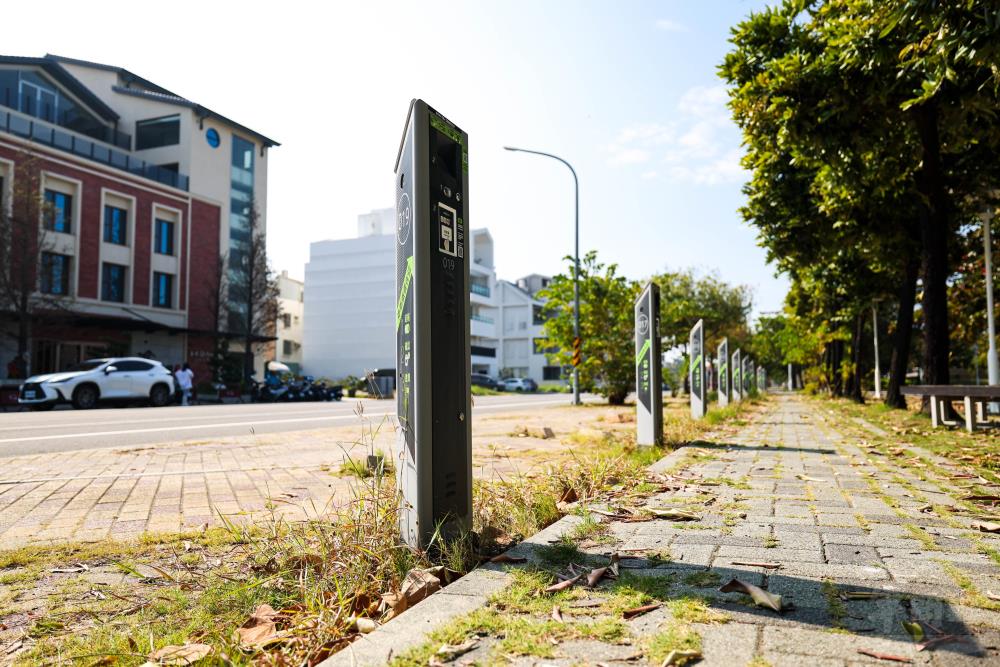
{"points": [[69, 430]]}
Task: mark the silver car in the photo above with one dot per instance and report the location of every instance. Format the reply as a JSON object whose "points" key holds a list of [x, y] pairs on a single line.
{"points": [[91, 382]]}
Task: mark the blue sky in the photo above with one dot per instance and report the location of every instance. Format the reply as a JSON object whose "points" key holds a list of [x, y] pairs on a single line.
{"points": [[626, 91]]}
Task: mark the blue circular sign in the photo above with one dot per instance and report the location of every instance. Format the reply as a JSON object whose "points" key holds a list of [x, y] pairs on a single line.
{"points": [[212, 137]]}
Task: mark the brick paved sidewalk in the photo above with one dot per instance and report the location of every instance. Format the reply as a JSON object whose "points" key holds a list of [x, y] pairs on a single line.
{"points": [[864, 545], [90, 495]]}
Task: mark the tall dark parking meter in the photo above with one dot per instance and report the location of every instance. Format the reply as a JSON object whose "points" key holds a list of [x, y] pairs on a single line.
{"points": [[433, 399], [723, 354], [648, 376], [696, 370]]}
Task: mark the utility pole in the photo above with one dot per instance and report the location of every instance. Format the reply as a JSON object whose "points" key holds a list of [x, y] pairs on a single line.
{"points": [[878, 373]]}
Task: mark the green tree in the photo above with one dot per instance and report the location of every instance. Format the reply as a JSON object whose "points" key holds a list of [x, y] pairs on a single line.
{"points": [[606, 326], [864, 121], [686, 298]]}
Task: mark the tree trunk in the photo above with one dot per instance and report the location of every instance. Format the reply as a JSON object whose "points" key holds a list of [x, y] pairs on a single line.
{"points": [[901, 338], [856, 394], [836, 371], [934, 233]]}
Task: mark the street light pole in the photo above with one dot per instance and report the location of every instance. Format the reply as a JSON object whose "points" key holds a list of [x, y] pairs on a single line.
{"points": [[992, 367], [576, 259]]}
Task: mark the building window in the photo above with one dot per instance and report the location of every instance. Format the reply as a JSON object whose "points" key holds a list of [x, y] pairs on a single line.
{"points": [[163, 290], [59, 212], [286, 319], [552, 373], [115, 225], [286, 347], [55, 274], [164, 237], [113, 282], [157, 132]]}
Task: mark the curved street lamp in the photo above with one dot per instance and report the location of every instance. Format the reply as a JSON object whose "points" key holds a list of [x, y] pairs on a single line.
{"points": [[576, 259]]}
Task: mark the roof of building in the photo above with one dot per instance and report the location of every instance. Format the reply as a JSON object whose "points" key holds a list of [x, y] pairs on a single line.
{"points": [[59, 73], [52, 64]]}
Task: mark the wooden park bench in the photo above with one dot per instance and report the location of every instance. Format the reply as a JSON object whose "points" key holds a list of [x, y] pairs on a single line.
{"points": [[973, 397]]}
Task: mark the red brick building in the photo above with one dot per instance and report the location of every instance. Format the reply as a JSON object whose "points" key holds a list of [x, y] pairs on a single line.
{"points": [[144, 193]]}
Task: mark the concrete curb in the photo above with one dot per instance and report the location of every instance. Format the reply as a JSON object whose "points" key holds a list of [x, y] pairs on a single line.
{"points": [[469, 593]]}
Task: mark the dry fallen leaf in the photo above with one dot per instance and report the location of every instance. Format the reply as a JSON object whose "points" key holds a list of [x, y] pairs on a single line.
{"points": [[417, 585], [806, 478], [672, 514], [188, 654], [680, 657], [449, 652], [76, 569], [599, 573], [883, 656], [943, 639], [770, 566], [639, 611], [504, 558], [563, 585], [759, 595], [987, 526], [556, 614], [260, 629], [992, 596], [860, 595]]}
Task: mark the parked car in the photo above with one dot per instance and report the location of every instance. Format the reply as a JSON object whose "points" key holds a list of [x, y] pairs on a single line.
{"points": [[87, 384], [520, 384], [483, 380]]}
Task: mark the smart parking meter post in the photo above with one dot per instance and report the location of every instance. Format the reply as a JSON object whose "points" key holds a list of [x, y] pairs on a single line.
{"points": [[696, 370], [648, 375], [723, 362], [433, 398], [737, 371]]}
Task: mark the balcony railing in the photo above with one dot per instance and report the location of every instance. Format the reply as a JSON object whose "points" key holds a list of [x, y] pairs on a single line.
{"points": [[50, 135], [28, 105], [481, 290], [482, 318]]}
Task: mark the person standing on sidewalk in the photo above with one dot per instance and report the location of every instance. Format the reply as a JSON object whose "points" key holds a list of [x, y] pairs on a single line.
{"points": [[185, 380]]}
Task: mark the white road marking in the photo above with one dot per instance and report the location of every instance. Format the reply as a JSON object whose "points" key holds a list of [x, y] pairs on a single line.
{"points": [[191, 427], [150, 420]]}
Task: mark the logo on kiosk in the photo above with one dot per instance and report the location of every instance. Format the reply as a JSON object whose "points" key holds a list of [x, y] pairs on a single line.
{"points": [[403, 219], [643, 324]]}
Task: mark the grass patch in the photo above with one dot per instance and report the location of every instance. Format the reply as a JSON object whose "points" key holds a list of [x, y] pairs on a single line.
{"points": [[673, 636], [973, 597], [834, 605], [921, 536]]}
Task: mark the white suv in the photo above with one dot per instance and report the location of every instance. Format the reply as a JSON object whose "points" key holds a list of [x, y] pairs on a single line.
{"points": [[96, 380]]}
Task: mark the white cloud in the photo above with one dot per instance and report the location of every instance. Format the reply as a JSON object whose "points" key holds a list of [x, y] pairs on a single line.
{"points": [[629, 156], [671, 26], [699, 144]]}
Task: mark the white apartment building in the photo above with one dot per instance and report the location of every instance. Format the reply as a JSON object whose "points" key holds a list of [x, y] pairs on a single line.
{"points": [[350, 302], [483, 341], [288, 347], [522, 342]]}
